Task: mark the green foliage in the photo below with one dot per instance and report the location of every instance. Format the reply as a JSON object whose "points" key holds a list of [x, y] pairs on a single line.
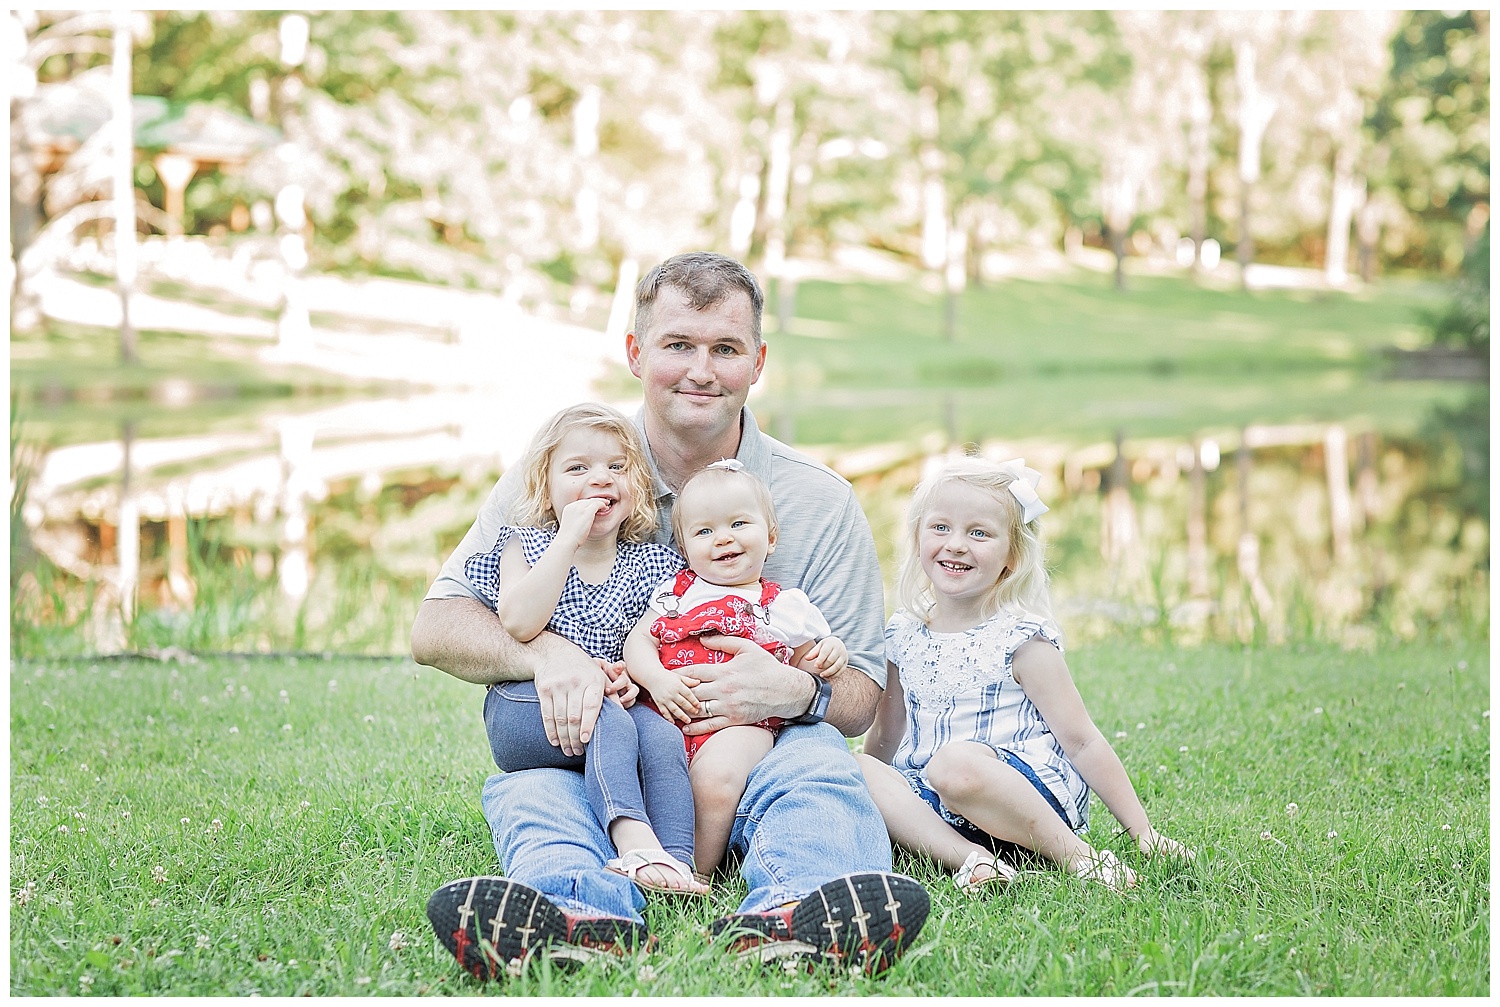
{"points": [[1465, 322], [1432, 125], [275, 826]]}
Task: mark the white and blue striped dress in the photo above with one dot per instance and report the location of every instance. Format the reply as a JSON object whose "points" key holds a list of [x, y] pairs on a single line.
{"points": [[959, 687]]}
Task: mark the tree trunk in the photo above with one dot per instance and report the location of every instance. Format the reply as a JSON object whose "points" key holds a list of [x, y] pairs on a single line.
{"points": [[1117, 245], [1255, 111], [124, 182], [1342, 201]]}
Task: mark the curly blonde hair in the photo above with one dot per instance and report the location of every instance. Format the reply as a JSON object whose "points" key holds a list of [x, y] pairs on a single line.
{"points": [[536, 511], [1024, 582]]}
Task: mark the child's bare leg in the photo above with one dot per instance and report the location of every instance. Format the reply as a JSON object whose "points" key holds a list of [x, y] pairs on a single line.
{"points": [[913, 824], [718, 772], [972, 781], [628, 834]]}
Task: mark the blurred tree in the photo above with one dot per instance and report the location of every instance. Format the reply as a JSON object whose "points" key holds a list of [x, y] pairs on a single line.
{"points": [[1431, 137], [515, 149]]}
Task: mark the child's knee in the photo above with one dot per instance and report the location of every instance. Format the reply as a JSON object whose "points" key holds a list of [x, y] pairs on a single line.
{"points": [[717, 787], [956, 770]]}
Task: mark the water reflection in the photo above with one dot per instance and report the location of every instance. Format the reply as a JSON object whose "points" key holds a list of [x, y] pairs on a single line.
{"points": [[322, 529]]}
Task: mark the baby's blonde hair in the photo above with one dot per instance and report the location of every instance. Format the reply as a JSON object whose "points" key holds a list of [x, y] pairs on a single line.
{"points": [[1024, 582], [640, 524], [724, 471]]}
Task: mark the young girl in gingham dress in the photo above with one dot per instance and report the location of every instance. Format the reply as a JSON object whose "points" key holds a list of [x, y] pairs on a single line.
{"points": [[981, 744], [582, 566]]}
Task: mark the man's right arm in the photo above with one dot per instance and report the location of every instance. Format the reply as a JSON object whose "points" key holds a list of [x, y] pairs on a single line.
{"points": [[464, 638]]}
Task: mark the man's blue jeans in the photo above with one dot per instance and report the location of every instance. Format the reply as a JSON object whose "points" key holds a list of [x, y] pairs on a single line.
{"points": [[634, 765], [806, 818]]}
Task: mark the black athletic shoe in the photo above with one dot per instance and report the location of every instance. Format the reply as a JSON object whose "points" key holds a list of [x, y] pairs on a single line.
{"points": [[495, 925], [866, 920]]}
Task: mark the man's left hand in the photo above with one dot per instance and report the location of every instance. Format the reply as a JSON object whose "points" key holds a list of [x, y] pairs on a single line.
{"points": [[749, 687]]}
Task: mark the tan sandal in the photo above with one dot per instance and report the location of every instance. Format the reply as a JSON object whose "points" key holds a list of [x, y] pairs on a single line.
{"points": [[632, 862], [964, 881]]}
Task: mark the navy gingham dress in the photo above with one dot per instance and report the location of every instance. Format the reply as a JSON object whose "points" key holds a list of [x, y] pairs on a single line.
{"points": [[596, 617]]}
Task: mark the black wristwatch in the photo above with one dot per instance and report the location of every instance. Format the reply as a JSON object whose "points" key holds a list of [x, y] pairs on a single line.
{"points": [[818, 708]]}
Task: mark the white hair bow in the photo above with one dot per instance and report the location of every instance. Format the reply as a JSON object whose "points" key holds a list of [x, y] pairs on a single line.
{"points": [[1023, 486]]}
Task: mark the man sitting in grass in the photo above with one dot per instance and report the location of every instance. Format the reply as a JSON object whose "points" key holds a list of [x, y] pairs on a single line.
{"points": [[811, 844]]}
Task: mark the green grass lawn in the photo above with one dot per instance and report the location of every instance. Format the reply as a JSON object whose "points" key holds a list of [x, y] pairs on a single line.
{"points": [[1071, 357], [275, 826]]}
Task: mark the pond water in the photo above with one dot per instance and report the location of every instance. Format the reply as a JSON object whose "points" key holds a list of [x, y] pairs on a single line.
{"points": [[318, 523]]}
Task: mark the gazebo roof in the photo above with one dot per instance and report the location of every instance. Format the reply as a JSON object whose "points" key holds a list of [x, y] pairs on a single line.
{"points": [[62, 116]]}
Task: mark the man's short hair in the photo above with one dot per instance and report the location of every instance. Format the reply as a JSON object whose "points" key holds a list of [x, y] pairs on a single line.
{"points": [[705, 278]]}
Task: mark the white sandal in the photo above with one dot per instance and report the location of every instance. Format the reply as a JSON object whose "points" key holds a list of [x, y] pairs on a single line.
{"points": [[1105, 869], [963, 878], [632, 862]]}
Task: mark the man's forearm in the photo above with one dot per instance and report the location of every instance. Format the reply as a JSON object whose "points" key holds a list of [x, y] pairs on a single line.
{"points": [[463, 638], [851, 708]]}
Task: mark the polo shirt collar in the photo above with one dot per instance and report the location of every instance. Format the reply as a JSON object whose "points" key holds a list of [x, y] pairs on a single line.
{"points": [[754, 452]]}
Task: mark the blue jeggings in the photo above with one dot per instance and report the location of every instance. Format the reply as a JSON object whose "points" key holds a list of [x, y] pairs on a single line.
{"points": [[634, 765], [806, 818]]}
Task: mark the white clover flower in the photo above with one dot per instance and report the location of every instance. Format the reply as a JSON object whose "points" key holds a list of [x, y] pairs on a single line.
{"points": [[216, 825], [1182, 748], [154, 903], [159, 874], [1317, 710], [203, 941], [84, 982], [187, 821], [125, 814], [84, 766], [1141, 726], [369, 718], [1291, 809], [284, 697], [333, 683], [150, 719], [286, 727], [305, 804], [1122, 734], [1400, 685], [1266, 835], [1447, 828], [79, 815], [399, 941], [1332, 834], [63, 829], [203, 700], [234, 730], [1261, 938], [24, 895], [646, 974]]}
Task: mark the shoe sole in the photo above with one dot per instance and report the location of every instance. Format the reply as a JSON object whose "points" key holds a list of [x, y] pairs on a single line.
{"points": [[864, 919], [491, 925]]}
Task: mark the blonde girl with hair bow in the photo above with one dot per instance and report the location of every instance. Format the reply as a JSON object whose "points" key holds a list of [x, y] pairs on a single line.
{"points": [[982, 748]]}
